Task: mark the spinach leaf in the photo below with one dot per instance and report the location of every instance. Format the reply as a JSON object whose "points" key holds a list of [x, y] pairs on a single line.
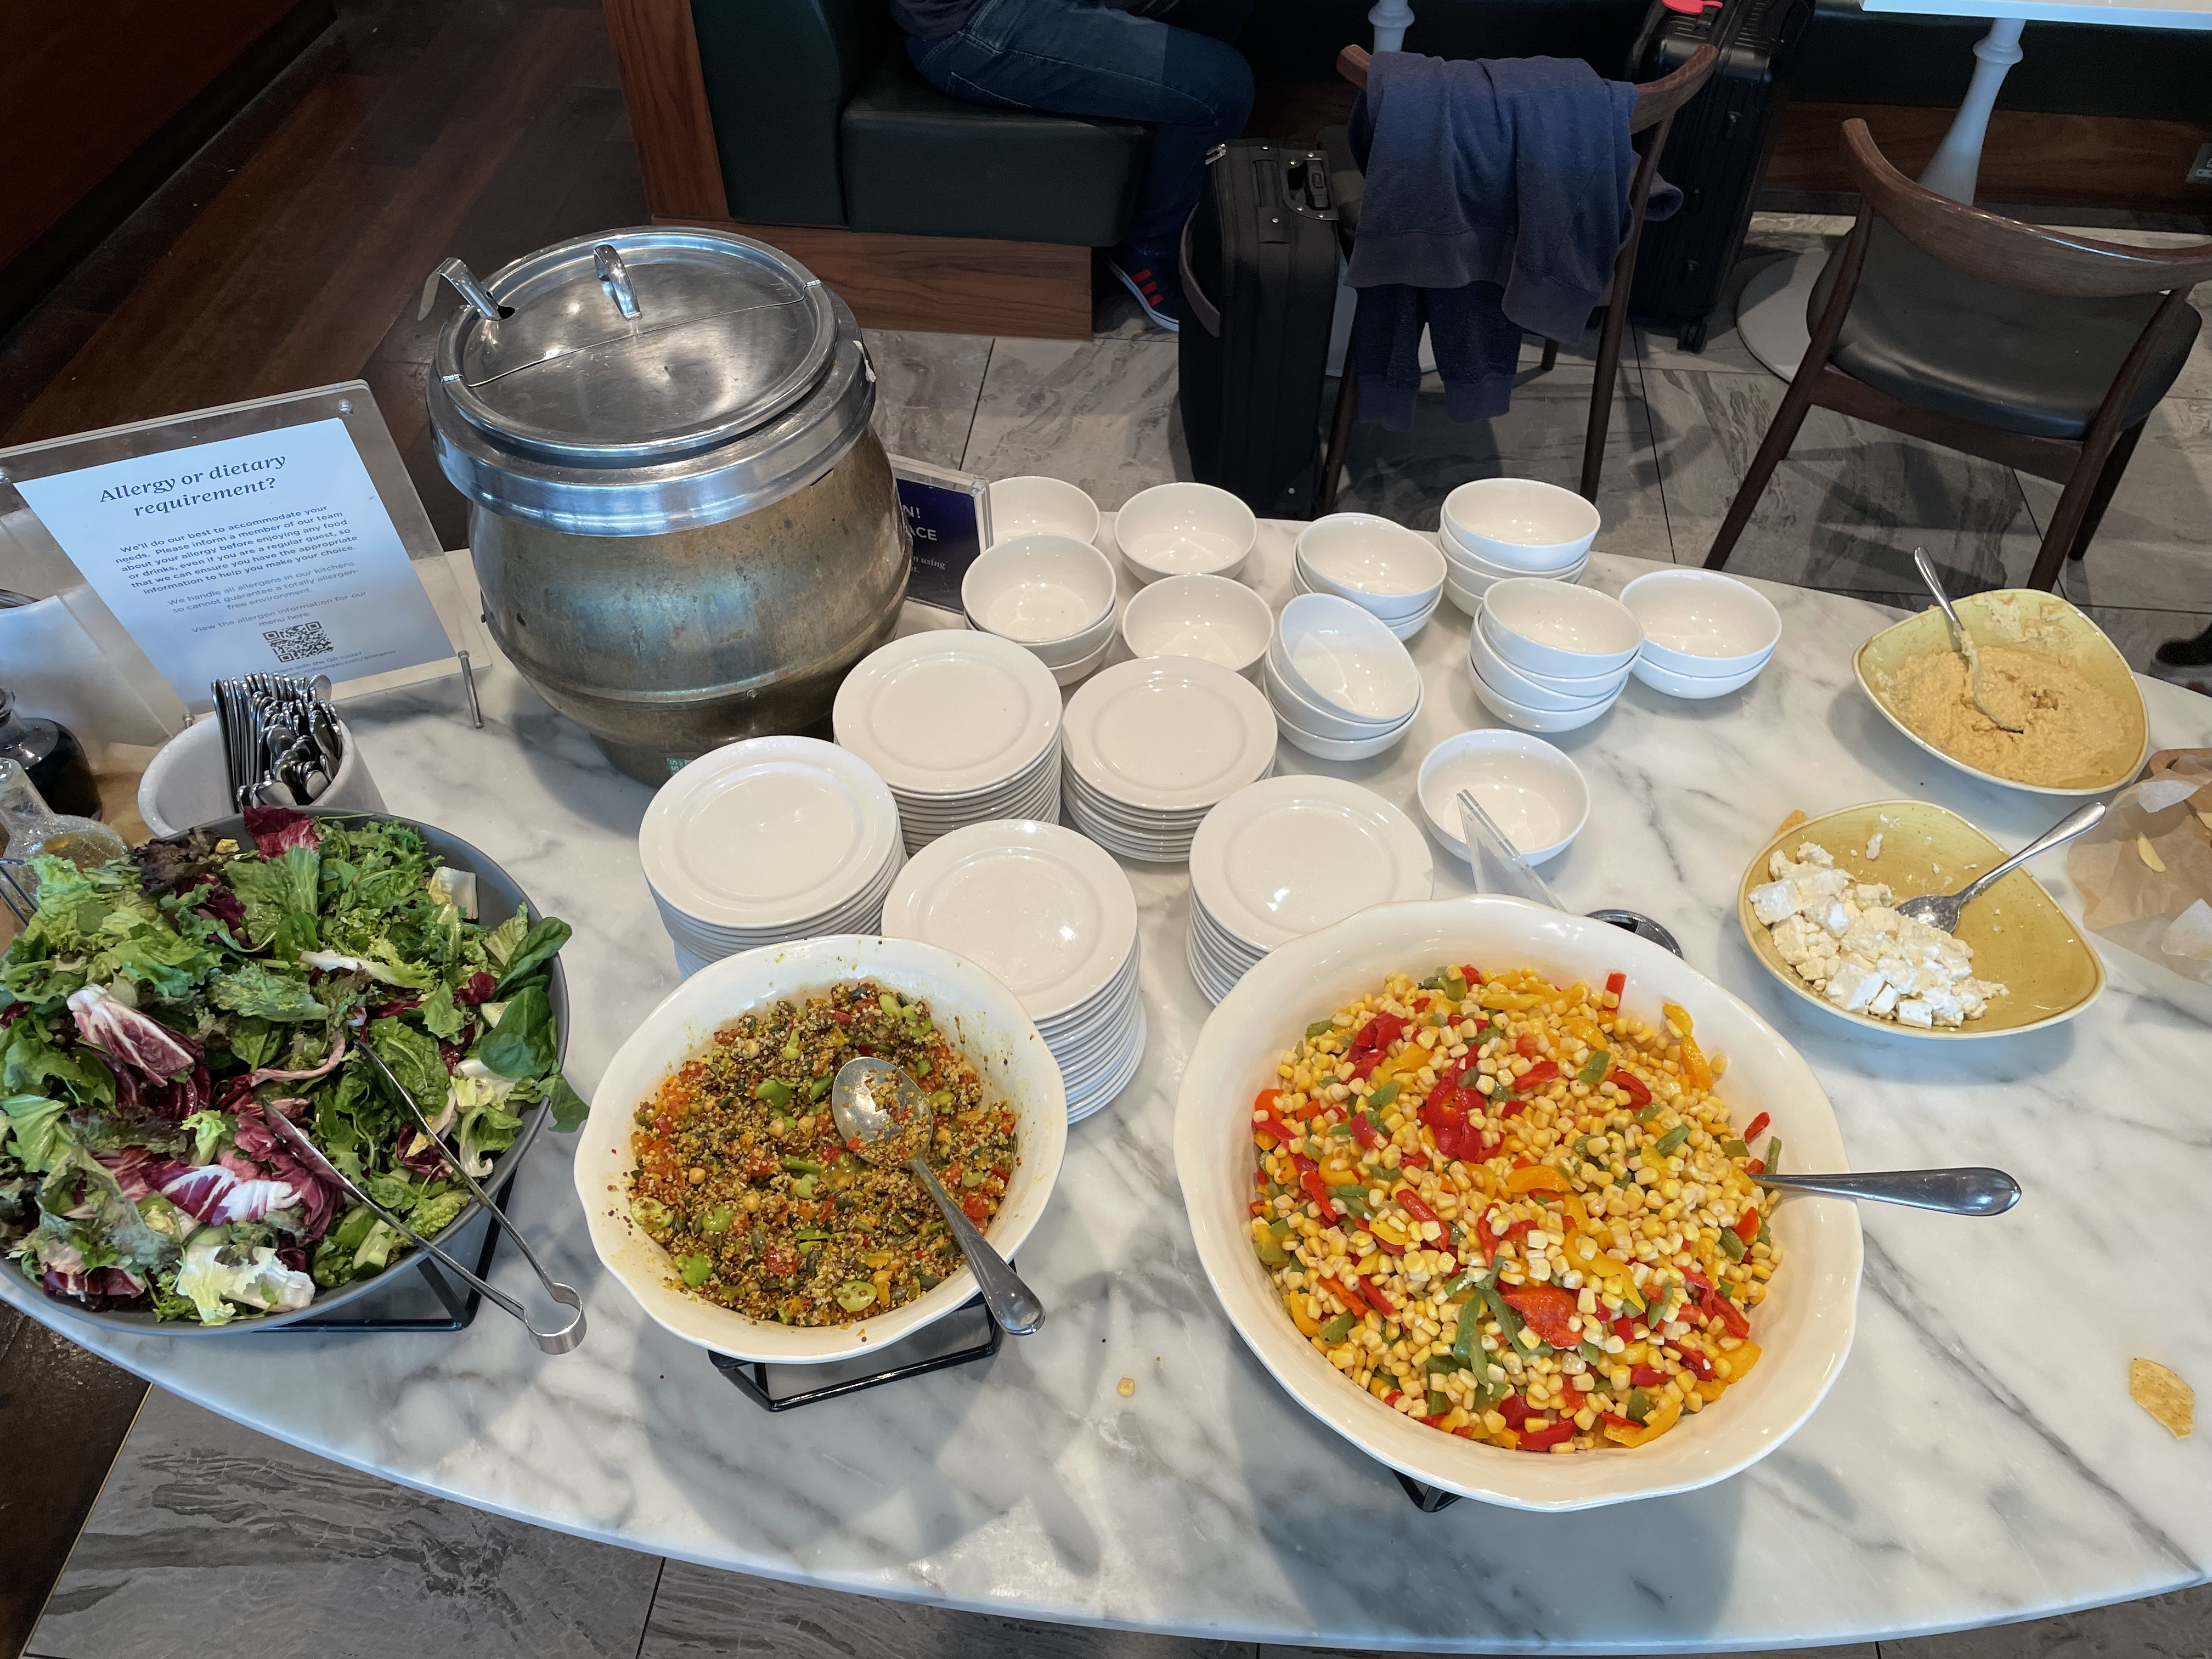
{"points": [[539, 947], [522, 1043]]}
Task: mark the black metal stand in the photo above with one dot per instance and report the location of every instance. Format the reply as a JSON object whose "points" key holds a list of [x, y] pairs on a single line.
{"points": [[1427, 1499], [751, 1375], [460, 1307]]}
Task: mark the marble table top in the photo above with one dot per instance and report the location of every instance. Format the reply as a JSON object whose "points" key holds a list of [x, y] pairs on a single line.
{"points": [[1979, 1460]]}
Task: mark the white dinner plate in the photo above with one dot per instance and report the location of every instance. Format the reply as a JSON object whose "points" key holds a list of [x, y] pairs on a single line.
{"points": [[1051, 915], [1292, 855], [947, 711], [1106, 1093], [1168, 733]]}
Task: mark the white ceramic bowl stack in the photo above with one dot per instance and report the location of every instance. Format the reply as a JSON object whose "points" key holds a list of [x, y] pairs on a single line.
{"points": [[768, 841], [1383, 568], [1153, 745], [1532, 791], [1548, 657], [1704, 635], [964, 728], [1286, 858], [1054, 918], [1184, 530], [1051, 594], [1495, 529], [1209, 617], [1342, 685]]}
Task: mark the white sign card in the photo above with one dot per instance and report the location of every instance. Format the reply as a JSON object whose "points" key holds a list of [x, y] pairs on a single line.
{"points": [[269, 552]]}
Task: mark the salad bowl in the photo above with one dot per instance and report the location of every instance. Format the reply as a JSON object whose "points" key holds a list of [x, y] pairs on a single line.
{"points": [[498, 897]]}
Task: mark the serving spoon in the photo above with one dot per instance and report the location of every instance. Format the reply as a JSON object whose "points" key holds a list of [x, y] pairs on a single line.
{"points": [[1941, 909], [1954, 1192], [1961, 641], [882, 1114]]}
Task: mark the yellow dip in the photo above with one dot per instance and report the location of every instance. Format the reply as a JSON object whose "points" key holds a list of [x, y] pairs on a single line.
{"points": [[2067, 720]]}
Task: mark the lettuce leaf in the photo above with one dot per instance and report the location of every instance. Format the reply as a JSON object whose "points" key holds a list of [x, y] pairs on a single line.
{"points": [[414, 1060], [31, 1060], [41, 1131], [441, 1016], [436, 1213], [253, 988], [273, 888], [501, 944]]}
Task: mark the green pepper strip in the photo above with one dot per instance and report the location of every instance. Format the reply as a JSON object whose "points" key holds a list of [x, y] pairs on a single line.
{"points": [[1320, 1028], [1639, 1405], [1733, 1245], [1333, 1330], [1466, 1339], [1773, 1155], [1651, 1111], [802, 1166], [1353, 1198], [1674, 1137], [1383, 1096], [1600, 1064], [1734, 1148]]}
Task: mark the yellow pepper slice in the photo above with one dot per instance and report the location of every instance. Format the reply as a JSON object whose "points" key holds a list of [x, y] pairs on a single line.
{"points": [[1696, 1071], [1307, 1324], [1536, 1178]]}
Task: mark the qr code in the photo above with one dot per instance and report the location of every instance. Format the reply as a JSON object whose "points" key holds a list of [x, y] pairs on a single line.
{"points": [[299, 641]]}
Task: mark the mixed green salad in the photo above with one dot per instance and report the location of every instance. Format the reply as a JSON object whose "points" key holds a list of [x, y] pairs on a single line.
{"points": [[159, 1012]]}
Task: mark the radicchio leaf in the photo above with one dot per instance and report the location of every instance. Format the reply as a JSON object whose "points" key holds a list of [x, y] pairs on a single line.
{"points": [[276, 829], [122, 1033]]}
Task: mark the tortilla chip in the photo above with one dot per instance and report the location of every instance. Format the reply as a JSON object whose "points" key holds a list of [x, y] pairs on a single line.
{"points": [[1797, 816], [2163, 1395]]}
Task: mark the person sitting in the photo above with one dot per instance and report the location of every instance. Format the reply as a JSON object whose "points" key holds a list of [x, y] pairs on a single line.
{"points": [[1167, 63]]}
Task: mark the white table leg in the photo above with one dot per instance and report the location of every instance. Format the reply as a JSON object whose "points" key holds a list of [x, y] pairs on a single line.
{"points": [[1959, 158], [1391, 19]]}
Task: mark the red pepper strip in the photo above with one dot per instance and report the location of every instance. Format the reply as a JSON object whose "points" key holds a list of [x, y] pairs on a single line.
{"points": [[1698, 1364], [1647, 1377], [1514, 1409], [1511, 1108], [1348, 1293], [1470, 973], [1383, 1243], [1747, 1225], [1616, 983], [1266, 1099], [1536, 1440], [1731, 1317], [1490, 1241], [1525, 1046], [1283, 1132], [1316, 1187], [1381, 1302], [1412, 1200], [1547, 1309], [1393, 1397], [1622, 1325], [1697, 1281], [1615, 1417], [1365, 1133], [1448, 1080], [1755, 1127], [1415, 1160], [1629, 1085], [1436, 1422], [1757, 1166], [1544, 1070]]}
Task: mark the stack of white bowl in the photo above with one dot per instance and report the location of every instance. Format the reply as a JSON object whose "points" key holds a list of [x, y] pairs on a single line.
{"points": [[1495, 529], [1704, 635], [964, 727], [1052, 917], [1153, 745], [1050, 593], [1548, 657], [1383, 568], [1289, 857], [1184, 530], [1209, 617], [1342, 685], [768, 841]]}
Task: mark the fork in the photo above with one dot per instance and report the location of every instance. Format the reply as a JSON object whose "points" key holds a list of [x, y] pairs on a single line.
{"points": [[1942, 910]]}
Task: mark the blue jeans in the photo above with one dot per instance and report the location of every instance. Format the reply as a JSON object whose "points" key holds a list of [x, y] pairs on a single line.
{"points": [[1167, 63]]}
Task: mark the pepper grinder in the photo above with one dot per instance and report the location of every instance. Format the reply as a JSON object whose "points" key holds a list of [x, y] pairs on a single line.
{"points": [[50, 753]]}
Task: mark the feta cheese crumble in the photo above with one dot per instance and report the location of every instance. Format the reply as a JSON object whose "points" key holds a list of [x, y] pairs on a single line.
{"points": [[1846, 939]]}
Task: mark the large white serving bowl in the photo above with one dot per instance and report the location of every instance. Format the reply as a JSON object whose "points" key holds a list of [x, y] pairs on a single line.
{"points": [[1532, 791], [1040, 588], [1550, 627], [1526, 716], [1378, 565], [1538, 690], [1692, 688], [1209, 617], [1022, 506], [1184, 530], [979, 1015], [1337, 654], [1804, 1328], [1319, 719], [1521, 523], [1702, 623]]}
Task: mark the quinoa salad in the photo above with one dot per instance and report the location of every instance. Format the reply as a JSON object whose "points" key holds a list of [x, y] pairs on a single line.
{"points": [[741, 1178], [1514, 1212]]}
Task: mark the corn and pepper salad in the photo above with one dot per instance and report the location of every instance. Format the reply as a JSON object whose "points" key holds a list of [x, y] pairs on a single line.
{"points": [[1515, 1213]]}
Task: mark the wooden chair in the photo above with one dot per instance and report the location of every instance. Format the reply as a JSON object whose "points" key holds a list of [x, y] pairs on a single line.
{"points": [[2028, 347], [1648, 123]]}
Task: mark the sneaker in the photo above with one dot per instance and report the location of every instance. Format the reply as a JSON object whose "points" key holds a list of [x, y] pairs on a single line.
{"points": [[2185, 662], [1156, 287]]}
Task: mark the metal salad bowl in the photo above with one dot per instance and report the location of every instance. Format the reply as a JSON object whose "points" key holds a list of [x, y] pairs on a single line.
{"points": [[498, 896]]}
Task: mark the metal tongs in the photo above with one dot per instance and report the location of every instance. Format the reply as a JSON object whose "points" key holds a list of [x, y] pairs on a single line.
{"points": [[561, 1339]]}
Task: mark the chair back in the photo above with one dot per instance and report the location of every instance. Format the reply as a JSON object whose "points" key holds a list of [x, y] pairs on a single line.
{"points": [[2005, 251]]}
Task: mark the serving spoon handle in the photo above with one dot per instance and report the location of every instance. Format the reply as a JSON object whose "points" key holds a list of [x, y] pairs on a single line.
{"points": [[1954, 1192]]}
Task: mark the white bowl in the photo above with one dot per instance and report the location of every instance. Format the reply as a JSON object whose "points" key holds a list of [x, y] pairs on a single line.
{"points": [[1038, 588], [1538, 690], [1335, 653], [1465, 590], [1692, 687], [1532, 791], [1463, 562], [1314, 717], [1056, 654], [1022, 506], [185, 785], [1552, 628], [1531, 719], [1083, 667], [1804, 1328], [1184, 530], [981, 1017], [1702, 623], [1339, 749], [1209, 617], [1401, 630], [1379, 566], [1521, 523]]}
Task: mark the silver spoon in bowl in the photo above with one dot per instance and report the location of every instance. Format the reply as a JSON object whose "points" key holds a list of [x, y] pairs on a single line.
{"points": [[1941, 909], [1954, 1192], [1961, 641], [882, 1114]]}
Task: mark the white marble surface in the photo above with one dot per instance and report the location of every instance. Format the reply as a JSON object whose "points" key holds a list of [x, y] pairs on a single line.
{"points": [[1979, 1461]]}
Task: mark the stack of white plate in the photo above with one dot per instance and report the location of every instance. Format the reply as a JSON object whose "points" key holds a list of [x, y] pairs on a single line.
{"points": [[1054, 918], [1493, 530], [1383, 568], [768, 841], [1288, 857], [964, 727], [1152, 745]]}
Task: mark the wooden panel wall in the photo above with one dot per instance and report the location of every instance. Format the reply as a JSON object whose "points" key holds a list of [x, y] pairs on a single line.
{"points": [[657, 51]]}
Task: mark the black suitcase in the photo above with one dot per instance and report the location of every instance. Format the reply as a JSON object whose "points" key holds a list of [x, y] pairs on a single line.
{"points": [[1715, 150], [1259, 280]]}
